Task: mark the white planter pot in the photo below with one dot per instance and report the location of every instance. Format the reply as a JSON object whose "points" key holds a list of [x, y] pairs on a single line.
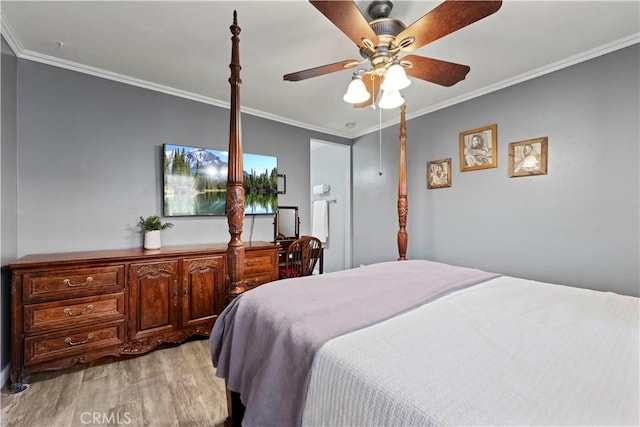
{"points": [[152, 239]]}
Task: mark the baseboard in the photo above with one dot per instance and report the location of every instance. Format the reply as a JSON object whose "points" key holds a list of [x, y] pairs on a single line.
{"points": [[4, 375]]}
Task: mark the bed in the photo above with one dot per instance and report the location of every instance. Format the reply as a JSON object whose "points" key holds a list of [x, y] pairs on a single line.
{"points": [[416, 342], [423, 343]]}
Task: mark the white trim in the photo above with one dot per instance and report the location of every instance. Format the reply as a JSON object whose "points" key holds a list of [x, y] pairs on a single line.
{"points": [[22, 53], [121, 78], [549, 68], [10, 36]]}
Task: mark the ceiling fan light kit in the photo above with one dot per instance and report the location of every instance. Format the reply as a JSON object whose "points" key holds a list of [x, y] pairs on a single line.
{"points": [[382, 40], [395, 78], [356, 91], [390, 99]]}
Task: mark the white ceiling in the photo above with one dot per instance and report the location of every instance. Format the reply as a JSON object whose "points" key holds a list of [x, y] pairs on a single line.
{"points": [[183, 48]]}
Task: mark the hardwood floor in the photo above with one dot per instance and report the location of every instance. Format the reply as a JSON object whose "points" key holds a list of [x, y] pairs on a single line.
{"points": [[173, 386]]}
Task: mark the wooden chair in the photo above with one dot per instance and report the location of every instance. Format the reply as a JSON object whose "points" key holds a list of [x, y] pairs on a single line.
{"points": [[301, 257]]}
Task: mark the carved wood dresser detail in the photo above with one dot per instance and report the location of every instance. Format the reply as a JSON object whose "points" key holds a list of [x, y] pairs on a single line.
{"points": [[70, 308]]}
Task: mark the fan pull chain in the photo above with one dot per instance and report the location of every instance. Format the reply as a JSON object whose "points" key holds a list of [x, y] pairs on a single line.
{"points": [[379, 141], [373, 105]]}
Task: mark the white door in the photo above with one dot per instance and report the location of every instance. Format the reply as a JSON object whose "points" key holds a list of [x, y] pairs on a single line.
{"points": [[331, 165]]}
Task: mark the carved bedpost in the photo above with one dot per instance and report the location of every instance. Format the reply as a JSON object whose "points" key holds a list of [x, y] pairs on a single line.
{"points": [[235, 189], [403, 206]]}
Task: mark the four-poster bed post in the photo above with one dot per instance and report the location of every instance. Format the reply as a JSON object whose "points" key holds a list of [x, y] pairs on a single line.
{"points": [[403, 205], [235, 189], [235, 201]]}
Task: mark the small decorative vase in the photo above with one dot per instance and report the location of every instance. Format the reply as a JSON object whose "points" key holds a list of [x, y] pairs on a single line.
{"points": [[152, 239]]}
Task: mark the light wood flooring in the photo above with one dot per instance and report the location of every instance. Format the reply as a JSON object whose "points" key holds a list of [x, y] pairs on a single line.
{"points": [[174, 386]]}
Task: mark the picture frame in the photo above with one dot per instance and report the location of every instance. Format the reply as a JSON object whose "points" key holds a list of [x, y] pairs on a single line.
{"points": [[439, 174], [528, 157], [479, 148]]}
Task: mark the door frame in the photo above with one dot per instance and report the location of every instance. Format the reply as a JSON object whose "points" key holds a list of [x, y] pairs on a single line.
{"points": [[346, 151]]}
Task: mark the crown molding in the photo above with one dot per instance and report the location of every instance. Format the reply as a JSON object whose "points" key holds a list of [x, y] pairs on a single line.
{"points": [[10, 36], [555, 66], [121, 78], [22, 53]]}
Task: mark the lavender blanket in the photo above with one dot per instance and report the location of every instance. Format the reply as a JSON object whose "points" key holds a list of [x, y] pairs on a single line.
{"points": [[264, 342]]}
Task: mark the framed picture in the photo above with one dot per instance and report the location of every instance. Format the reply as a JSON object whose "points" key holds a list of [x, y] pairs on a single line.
{"points": [[195, 182], [528, 157], [478, 148], [439, 173]]}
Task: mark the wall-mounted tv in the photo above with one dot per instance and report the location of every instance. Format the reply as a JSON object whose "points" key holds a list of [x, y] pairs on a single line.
{"points": [[195, 182]]}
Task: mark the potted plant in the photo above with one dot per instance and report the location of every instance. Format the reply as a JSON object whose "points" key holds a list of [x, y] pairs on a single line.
{"points": [[151, 226]]}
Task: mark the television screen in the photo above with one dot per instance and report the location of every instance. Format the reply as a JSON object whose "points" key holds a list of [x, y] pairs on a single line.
{"points": [[195, 181]]}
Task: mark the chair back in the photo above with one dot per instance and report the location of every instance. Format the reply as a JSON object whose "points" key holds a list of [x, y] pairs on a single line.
{"points": [[301, 257]]}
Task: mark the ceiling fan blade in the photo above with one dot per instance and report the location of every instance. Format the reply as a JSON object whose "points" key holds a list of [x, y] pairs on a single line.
{"points": [[318, 71], [372, 83], [446, 18], [435, 71], [347, 17]]}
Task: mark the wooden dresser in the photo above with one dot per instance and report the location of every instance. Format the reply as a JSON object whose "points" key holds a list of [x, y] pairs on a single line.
{"points": [[70, 308]]}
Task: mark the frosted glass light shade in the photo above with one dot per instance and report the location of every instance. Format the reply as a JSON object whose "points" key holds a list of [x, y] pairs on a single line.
{"points": [[391, 99], [356, 92], [395, 78]]}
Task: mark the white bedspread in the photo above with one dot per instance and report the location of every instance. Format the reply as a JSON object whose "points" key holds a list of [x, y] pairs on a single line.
{"points": [[506, 352]]}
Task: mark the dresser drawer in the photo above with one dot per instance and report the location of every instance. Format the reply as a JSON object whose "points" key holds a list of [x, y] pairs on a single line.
{"points": [[72, 342], [58, 284], [75, 312], [253, 280], [260, 262]]}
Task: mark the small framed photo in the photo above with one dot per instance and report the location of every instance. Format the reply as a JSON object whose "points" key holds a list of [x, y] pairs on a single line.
{"points": [[439, 174], [528, 157], [479, 148]]}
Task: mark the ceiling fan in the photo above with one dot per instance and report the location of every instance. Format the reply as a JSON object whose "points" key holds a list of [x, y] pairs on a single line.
{"points": [[383, 40]]}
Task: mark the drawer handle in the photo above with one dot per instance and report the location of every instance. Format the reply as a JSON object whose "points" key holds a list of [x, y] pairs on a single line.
{"points": [[75, 285], [85, 311], [68, 341], [249, 263]]}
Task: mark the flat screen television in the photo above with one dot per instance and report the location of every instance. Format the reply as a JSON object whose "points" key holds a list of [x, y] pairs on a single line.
{"points": [[195, 182]]}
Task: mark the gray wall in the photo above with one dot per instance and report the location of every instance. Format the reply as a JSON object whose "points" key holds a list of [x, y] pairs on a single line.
{"points": [[89, 164], [8, 195], [577, 225], [89, 154]]}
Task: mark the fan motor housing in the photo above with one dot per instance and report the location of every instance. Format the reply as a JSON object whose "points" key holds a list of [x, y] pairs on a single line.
{"points": [[380, 9], [387, 27], [381, 55]]}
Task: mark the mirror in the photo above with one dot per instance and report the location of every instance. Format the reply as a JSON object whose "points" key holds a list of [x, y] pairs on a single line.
{"points": [[286, 223], [282, 189]]}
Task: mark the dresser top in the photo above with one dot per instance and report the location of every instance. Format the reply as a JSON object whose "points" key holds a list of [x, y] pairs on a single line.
{"points": [[128, 254]]}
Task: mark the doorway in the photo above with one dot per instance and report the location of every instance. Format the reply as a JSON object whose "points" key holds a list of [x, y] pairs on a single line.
{"points": [[331, 166]]}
